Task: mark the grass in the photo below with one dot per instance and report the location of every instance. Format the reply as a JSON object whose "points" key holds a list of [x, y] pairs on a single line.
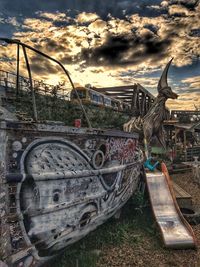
{"points": [[55, 109], [134, 224]]}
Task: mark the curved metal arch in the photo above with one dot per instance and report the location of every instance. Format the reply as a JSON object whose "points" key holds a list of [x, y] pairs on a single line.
{"points": [[24, 46]]}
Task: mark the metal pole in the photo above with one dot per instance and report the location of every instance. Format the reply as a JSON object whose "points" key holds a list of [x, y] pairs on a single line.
{"points": [[31, 83], [184, 144], [17, 78], [15, 41], [133, 101]]}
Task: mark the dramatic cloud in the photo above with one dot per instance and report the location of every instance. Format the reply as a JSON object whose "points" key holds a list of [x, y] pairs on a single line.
{"points": [[124, 50], [186, 101], [57, 16], [178, 10], [193, 84], [86, 17], [107, 43]]}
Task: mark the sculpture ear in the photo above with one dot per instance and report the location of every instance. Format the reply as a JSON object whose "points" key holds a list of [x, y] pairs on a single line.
{"points": [[163, 79]]}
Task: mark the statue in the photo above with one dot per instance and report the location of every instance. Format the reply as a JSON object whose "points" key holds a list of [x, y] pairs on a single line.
{"points": [[152, 123]]}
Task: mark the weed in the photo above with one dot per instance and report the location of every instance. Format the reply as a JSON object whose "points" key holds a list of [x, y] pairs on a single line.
{"points": [[131, 229]]}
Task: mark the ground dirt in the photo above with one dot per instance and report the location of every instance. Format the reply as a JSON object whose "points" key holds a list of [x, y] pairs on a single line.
{"points": [[134, 239]]}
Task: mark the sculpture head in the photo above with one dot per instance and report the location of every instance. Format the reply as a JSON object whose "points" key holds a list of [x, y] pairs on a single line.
{"points": [[163, 88]]}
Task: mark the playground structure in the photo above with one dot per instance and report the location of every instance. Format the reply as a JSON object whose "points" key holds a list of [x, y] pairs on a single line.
{"points": [[60, 182], [135, 96], [183, 134], [175, 230]]}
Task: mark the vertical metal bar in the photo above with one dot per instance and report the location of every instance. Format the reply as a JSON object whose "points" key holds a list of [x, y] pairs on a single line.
{"points": [[175, 145], [17, 78], [143, 103], [184, 144], [63, 68], [140, 102], [31, 84], [133, 99]]}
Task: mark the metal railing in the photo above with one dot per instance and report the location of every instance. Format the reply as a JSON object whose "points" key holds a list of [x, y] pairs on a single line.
{"points": [[9, 80], [50, 100], [186, 115], [188, 154]]}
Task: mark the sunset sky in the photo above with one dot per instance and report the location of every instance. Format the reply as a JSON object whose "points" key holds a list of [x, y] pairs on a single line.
{"points": [[108, 43]]}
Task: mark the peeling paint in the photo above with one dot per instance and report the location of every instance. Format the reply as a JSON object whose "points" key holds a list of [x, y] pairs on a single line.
{"points": [[57, 192]]}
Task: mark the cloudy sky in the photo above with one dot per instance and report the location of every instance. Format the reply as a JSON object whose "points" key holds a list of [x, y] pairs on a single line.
{"points": [[108, 43]]}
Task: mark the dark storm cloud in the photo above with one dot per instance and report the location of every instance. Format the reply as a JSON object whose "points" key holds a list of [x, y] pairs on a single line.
{"points": [[195, 33], [48, 46], [66, 59], [123, 50], [190, 4], [117, 8], [151, 27], [53, 46], [63, 23], [44, 69], [40, 65]]}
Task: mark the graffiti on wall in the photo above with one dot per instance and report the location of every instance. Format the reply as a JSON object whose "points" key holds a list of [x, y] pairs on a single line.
{"points": [[121, 149], [64, 187]]}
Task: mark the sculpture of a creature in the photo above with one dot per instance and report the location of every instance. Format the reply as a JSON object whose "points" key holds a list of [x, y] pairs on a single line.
{"points": [[152, 123]]}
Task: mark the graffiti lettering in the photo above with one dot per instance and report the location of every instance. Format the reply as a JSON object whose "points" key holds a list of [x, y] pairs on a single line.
{"points": [[121, 149]]}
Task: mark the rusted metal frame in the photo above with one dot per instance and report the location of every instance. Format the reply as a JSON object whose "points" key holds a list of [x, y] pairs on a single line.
{"points": [[56, 61], [31, 83]]}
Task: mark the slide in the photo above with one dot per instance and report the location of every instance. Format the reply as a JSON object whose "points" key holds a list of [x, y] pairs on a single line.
{"points": [[176, 231]]}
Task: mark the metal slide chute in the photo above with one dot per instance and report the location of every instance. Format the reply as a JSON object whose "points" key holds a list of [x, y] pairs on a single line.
{"points": [[175, 230]]}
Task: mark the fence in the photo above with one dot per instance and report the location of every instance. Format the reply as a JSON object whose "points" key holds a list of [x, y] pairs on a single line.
{"points": [[51, 101], [188, 155]]}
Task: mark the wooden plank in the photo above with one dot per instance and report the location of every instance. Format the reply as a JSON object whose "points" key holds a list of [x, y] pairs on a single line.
{"points": [[180, 192], [183, 198]]}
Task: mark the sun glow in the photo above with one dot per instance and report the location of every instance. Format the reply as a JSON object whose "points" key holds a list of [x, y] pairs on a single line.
{"points": [[53, 79]]}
